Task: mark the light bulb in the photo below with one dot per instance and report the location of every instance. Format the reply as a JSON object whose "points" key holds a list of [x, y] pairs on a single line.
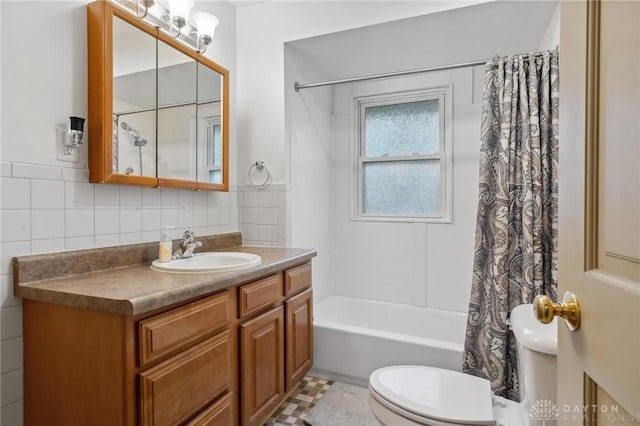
{"points": [[179, 11], [206, 24]]}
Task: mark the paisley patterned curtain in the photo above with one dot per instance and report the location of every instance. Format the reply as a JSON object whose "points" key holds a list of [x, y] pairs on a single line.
{"points": [[516, 231]]}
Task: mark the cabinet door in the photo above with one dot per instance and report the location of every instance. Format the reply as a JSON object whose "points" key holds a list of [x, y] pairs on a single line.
{"points": [[262, 341], [299, 337]]}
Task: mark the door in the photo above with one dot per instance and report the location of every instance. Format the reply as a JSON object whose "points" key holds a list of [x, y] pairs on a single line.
{"points": [[599, 212], [262, 373], [299, 337]]}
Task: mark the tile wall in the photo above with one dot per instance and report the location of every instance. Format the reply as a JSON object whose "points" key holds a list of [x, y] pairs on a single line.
{"points": [[265, 215], [49, 209]]}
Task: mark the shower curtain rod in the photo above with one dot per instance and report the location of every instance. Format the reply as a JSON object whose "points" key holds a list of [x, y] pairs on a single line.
{"points": [[298, 86]]}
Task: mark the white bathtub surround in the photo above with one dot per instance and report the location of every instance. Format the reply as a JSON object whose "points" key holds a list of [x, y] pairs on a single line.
{"points": [[353, 337]]}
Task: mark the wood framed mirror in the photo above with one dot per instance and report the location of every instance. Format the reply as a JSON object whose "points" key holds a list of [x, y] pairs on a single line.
{"points": [[158, 109]]}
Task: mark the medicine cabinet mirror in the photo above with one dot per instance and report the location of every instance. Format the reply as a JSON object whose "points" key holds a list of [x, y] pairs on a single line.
{"points": [[158, 110]]}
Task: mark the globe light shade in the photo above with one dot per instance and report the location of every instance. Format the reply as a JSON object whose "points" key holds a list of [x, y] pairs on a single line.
{"points": [[179, 11], [206, 24]]}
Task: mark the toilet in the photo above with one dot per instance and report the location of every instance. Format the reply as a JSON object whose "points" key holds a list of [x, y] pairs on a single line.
{"points": [[419, 395]]}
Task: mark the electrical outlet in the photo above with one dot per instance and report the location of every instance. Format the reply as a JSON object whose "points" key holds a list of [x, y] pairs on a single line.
{"points": [[65, 153]]}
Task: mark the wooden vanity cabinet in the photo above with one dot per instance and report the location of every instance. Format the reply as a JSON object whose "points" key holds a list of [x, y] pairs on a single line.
{"points": [[276, 340], [222, 360]]}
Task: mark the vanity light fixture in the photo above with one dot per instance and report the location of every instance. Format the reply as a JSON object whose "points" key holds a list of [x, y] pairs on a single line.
{"points": [[147, 4], [172, 16], [205, 24], [179, 11]]}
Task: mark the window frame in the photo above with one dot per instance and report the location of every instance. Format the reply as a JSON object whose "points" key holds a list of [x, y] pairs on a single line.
{"points": [[443, 95], [211, 123]]}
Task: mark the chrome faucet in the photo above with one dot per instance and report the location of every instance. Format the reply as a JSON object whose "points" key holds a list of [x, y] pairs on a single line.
{"points": [[189, 245]]}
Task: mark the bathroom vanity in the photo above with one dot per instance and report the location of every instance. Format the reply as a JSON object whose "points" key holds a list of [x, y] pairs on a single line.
{"points": [[109, 341]]}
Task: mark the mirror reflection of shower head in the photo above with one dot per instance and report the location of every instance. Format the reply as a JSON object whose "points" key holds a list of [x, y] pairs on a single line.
{"points": [[138, 140]]}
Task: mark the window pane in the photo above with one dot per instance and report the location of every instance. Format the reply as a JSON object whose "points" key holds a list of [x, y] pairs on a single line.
{"points": [[217, 146], [400, 129], [409, 188]]}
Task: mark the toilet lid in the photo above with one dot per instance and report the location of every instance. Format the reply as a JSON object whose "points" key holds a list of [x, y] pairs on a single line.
{"points": [[436, 393]]}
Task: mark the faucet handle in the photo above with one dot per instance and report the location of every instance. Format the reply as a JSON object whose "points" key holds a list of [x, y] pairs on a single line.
{"points": [[188, 237]]}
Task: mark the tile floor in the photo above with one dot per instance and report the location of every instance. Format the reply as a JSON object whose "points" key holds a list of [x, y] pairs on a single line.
{"points": [[294, 409]]}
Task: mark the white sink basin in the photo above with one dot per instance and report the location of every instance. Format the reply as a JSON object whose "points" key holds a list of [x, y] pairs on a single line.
{"points": [[209, 262]]}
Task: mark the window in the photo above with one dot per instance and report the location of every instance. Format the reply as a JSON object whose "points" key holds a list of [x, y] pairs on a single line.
{"points": [[214, 150], [403, 157]]}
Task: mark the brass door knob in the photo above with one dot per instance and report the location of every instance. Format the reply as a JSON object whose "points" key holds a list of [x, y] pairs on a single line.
{"points": [[569, 310]]}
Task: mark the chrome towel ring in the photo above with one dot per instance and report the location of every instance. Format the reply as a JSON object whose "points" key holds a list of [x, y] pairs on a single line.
{"points": [[259, 166]]}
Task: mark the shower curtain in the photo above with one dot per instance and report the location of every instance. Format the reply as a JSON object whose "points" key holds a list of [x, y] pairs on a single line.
{"points": [[516, 230]]}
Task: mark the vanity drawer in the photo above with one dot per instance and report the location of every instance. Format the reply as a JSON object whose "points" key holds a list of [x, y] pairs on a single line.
{"points": [[297, 279], [175, 389], [259, 294], [218, 414], [177, 329]]}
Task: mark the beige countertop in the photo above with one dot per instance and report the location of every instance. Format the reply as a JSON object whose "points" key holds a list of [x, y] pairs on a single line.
{"points": [[137, 289]]}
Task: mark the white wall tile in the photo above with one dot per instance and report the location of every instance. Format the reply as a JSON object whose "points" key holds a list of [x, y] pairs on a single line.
{"points": [[150, 236], [233, 199], [107, 197], [79, 243], [7, 297], [47, 246], [151, 220], [185, 218], [79, 223], [75, 175], [15, 225], [200, 199], [47, 194], [5, 169], [11, 354], [11, 325], [169, 217], [151, 198], [12, 388], [131, 238], [250, 232], [47, 224], [33, 171], [213, 217], [212, 200], [107, 221], [185, 198], [12, 414], [250, 198], [16, 193], [267, 217], [225, 216], [267, 199], [78, 195], [250, 215], [130, 197], [267, 233], [224, 200], [107, 240], [8, 251], [283, 200], [169, 198], [199, 218], [130, 220]]}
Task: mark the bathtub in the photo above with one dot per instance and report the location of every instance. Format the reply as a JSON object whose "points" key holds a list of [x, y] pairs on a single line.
{"points": [[353, 337]]}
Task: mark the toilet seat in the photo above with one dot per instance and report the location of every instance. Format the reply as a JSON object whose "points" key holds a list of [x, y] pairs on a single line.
{"points": [[428, 395]]}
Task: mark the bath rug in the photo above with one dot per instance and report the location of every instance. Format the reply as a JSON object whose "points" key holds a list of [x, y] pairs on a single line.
{"points": [[342, 405]]}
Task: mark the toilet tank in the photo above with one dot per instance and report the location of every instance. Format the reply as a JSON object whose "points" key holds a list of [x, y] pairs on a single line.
{"points": [[537, 352]]}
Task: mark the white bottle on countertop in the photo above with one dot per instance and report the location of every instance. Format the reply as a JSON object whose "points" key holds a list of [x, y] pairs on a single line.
{"points": [[166, 245]]}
